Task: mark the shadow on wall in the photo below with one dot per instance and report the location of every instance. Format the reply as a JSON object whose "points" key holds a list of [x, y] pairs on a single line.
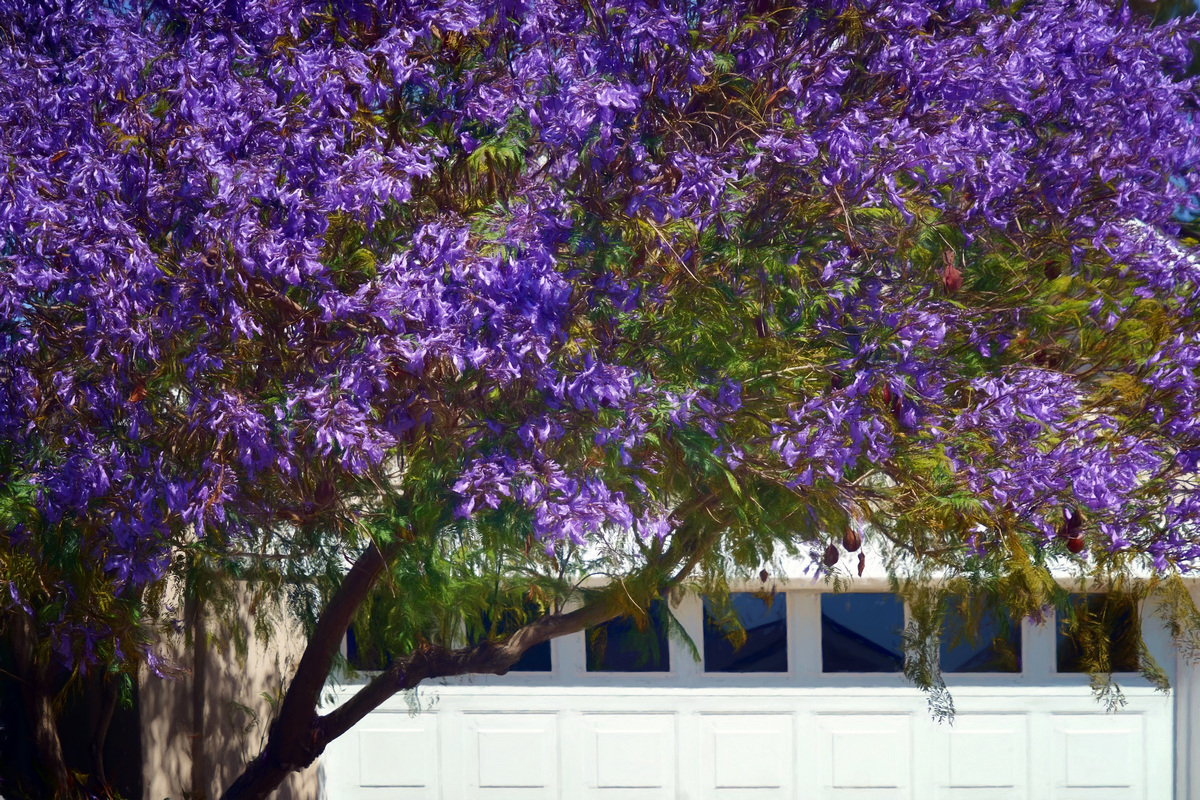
{"points": [[237, 714]]}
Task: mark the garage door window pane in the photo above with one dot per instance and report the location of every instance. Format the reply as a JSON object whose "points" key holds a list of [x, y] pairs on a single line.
{"points": [[1105, 615], [363, 655], [993, 645], [536, 658], [619, 646], [861, 632], [764, 620]]}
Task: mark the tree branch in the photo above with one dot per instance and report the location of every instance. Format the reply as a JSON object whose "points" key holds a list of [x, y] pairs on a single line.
{"points": [[494, 658], [293, 740]]}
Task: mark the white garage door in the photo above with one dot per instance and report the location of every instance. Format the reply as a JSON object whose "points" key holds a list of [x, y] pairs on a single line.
{"points": [[798, 732]]}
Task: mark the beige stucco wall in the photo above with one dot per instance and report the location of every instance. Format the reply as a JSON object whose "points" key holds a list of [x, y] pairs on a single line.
{"points": [[237, 714]]}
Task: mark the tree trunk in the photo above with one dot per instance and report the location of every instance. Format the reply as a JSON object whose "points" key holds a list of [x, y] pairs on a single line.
{"points": [[110, 694], [298, 735], [37, 690], [292, 740], [261, 777]]}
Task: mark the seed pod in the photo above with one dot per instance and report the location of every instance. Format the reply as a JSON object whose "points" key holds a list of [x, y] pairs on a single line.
{"points": [[1072, 522], [852, 540], [893, 401], [325, 494], [763, 575], [952, 279], [760, 325], [862, 563], [831, 555], [1075, 543]]}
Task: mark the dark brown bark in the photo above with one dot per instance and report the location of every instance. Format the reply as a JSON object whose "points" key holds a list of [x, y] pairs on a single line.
{"points": [[110, 694], [292, 741], [299, 734], [37, 690], [436, 662]]}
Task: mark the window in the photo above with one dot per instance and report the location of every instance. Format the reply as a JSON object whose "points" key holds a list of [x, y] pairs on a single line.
{"points": [[861, 632], [620, 646], [364, 656], [993, 646], [762, 618], [1098, 620], [536, 658], [365, 651]]}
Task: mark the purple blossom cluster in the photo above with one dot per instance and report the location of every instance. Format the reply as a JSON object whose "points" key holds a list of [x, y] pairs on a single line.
{"points": [[1036, 450], [247, 247]]}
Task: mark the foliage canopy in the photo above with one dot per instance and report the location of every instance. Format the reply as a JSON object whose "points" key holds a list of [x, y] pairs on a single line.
{"points": [[485, 298]]}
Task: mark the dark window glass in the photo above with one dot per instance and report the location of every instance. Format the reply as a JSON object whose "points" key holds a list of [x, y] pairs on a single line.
{"points": [[362, 656], [861, 632], [536, 658], [993, 646], [764, 620], [1098, 615], [620, 646]]}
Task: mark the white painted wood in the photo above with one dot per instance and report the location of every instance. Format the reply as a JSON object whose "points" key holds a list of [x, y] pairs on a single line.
{"points": [[690, 613], [983, 755], [1097, 757], [509, 756], [628, 756], [692, 735], [399, 752], [804, 636], [1187, 733], [865, 756], [745, 755]]}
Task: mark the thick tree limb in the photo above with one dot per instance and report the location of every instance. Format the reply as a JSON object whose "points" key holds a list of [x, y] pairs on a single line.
{"points": [[436, 662], [37, 690], [299, 735], [292, 742]]}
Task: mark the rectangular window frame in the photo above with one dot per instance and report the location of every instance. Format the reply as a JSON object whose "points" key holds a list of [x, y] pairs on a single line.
{"points": [[789, 642]]}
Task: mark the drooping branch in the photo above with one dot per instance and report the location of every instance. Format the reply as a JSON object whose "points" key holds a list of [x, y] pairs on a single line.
{"points": [[493, 658], [497, 657]]}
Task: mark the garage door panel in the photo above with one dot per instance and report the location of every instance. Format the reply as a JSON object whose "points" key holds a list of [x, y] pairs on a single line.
{"points": [[864, 756], [628, 756], [1099, 756], [1059, 747], [398, 753], [511, 756], [982, 756], [747, 755]]}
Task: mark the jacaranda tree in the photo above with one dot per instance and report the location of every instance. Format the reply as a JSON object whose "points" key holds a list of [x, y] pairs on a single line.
{"points": [[421, 311]]}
